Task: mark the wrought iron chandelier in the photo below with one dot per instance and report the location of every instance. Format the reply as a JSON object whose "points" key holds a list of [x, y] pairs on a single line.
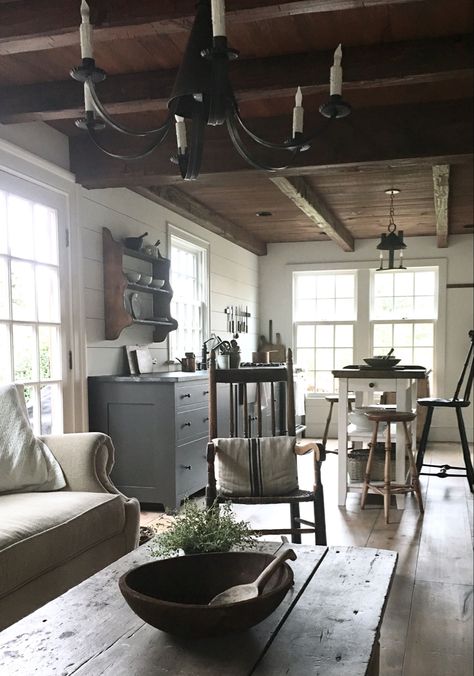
{"points": [[392, 241], [202, 95]]}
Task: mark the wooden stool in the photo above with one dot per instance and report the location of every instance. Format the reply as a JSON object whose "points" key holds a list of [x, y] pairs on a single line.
{"points": [[334, 399], [390, 488]]}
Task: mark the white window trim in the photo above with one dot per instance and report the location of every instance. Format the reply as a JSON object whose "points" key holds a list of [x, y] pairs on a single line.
{"points": [[361, 334], [181, 233]]}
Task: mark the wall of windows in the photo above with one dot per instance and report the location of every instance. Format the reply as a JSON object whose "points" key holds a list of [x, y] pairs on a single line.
{"points": [[342, 316]]}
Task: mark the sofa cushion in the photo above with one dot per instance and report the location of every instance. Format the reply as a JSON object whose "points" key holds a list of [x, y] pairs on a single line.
{"points": [[40, 531], [26, 463]]}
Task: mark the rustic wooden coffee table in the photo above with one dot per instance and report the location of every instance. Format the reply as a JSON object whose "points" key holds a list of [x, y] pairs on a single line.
{"points": [[328, 624]]}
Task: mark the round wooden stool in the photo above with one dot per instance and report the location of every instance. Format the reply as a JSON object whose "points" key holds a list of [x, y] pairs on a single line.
{"points": [[334, 399], [388, 487]]}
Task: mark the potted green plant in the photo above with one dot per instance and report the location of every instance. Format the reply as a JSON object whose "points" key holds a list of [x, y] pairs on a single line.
{"points": [[198, 530]]}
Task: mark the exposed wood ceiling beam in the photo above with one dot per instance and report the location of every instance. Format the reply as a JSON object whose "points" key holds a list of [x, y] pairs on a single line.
{"points": [[35, 25], [178, 201], [393, 64], [410, 133], [299, 191], [441, 197]]}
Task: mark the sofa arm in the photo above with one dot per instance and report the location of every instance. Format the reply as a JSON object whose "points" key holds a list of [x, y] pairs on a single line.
{"points": [[86, 460]]}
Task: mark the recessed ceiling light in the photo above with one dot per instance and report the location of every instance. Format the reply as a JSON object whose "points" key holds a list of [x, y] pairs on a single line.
{"points": [[264, 213]]}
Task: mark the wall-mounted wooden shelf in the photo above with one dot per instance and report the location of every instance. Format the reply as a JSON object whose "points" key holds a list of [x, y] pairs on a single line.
{"points": [[116, 284]]}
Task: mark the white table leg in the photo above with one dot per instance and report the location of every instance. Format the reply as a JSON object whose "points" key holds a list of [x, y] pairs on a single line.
{"points": [[403, 398], [342, 441]]}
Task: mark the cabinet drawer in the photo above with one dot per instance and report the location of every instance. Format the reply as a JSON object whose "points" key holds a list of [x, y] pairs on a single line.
{"points": [[371, 385], [191, 467], [192, 395], [192, 423]]}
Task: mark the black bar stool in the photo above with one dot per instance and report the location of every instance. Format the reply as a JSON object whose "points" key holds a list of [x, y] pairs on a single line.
{"points": [[389, 488], [458, 404]]}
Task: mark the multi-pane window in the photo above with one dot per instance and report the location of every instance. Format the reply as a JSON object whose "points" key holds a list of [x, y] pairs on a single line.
{"points": [[30, 309], [324, 316], [408, 300], [340, 317], [190, 296]]}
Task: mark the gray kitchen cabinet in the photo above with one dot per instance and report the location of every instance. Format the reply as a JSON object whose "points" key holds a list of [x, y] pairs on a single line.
{"points": [[159, 426]]}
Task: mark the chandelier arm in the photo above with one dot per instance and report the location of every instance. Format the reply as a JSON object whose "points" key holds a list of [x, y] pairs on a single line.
{"points": [[119, 127], [243, 152], [133, 156], [287, 145]]}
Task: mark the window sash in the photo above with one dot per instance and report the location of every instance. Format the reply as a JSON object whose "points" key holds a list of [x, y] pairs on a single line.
{"points": [[190, 294], [31, 328]]}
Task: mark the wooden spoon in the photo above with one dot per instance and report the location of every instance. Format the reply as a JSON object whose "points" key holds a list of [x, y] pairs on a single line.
{"points": [[242, 592]]}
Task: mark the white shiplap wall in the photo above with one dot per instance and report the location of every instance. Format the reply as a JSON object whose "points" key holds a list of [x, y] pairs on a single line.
{"points": [[233, 274]]}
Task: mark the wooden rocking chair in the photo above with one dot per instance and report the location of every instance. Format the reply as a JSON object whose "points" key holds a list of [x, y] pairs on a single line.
{"points": [[239, 416]]}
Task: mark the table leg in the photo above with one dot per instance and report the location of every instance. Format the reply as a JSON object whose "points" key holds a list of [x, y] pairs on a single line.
{"points": [[342, 441], [403, 400]]}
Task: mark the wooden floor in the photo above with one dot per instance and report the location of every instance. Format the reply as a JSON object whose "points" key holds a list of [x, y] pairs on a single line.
{"points": [[428, 625]]}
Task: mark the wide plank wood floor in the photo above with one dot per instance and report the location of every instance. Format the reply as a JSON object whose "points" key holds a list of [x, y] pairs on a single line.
{"points": [[428, 625]]}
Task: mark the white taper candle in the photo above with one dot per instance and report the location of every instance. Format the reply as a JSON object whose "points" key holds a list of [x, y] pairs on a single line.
{"points": [[298, 113], [180, 128], [218, 18], [88, 102], [336, 73], [85, 32]]}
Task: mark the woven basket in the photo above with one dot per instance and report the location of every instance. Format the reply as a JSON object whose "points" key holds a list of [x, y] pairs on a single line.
{"points": [[357, 462]]}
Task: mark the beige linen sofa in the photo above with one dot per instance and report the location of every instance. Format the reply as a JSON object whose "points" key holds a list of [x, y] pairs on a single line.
{"points": [[51, 541]]}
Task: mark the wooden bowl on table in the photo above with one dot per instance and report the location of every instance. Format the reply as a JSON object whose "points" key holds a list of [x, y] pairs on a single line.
{"points": [[173, 594], [382, 362]]}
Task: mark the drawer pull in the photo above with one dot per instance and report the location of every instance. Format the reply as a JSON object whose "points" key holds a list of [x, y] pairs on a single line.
{"points": [[186, 424], [186, 396], [371, 384], [186, 467], [205, 392], [205, 419]]}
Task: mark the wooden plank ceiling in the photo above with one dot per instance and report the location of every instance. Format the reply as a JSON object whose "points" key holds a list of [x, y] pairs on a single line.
{"points": [[408, 72]]}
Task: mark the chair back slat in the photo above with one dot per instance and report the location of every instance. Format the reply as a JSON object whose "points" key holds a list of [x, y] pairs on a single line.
{"points": [[259, 409], [290, 404], [468, 369], [272, 408], [231, 411]]}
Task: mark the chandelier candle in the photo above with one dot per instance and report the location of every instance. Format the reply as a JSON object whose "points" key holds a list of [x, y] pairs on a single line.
{"points": [[180, 134], [336, 73], [298, 113], [85, 32], [218, 18], [88, 103]]}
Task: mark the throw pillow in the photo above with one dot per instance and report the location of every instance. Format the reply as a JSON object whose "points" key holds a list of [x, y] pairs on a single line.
{"points": [[256, 467], [26, 463]]}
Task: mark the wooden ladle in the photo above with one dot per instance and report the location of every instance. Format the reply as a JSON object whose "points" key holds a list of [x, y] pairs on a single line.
{"points": [[242, 592]]}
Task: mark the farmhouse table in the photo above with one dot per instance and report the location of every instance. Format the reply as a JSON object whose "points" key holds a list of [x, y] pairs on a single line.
{"points": [[363, 380], [328, 623]]}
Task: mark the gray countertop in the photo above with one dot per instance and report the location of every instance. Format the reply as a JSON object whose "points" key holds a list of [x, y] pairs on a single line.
{"points": [[158, 377]]}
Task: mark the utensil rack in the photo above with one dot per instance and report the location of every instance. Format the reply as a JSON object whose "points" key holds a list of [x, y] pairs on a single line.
{"points": [[237, 318]]}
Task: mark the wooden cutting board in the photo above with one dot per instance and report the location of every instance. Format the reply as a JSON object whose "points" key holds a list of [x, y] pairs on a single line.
{"points": [[278, 349]]}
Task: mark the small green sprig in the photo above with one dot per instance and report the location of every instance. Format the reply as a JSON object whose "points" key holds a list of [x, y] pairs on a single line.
{"points": [[199, 530]]}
